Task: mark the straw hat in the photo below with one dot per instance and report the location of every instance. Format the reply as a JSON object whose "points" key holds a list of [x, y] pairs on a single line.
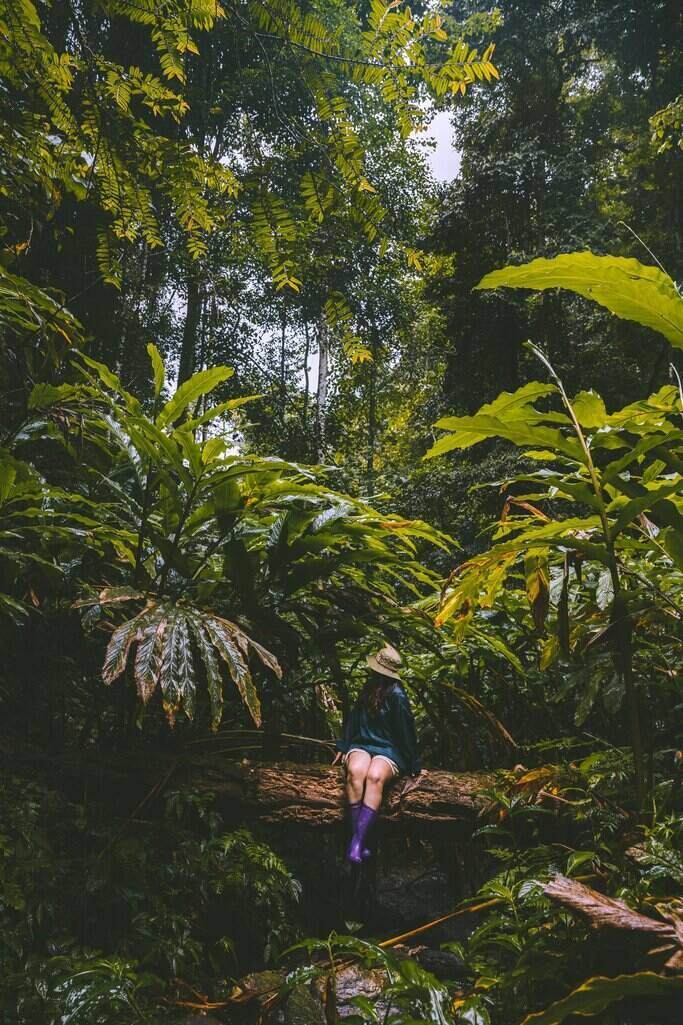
{"points": [[387, 661]]}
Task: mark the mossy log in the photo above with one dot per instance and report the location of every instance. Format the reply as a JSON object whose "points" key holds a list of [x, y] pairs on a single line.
{"points": [[313, 795]]}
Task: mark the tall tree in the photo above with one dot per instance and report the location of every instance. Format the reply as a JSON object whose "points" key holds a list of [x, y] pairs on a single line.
{"points": [[555, 159]]}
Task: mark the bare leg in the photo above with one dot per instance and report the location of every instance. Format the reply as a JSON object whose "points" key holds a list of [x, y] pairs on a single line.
{"points": [[357, 765], [378, 773]]}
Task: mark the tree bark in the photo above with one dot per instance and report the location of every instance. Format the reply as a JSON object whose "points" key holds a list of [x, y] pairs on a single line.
{"points": [[188, 351], [307, 383], [372, 408], [313, 795], [321, 394]]}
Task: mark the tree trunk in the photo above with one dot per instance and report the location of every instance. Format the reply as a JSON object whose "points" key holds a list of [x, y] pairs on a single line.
{"points": [[188, 352], [307, 384], [372, 409], [313, 795], [323, 370], [283, 366]]}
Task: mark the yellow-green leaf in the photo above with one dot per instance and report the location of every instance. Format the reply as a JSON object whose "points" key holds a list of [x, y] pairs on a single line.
{"points": [[627, 288], [189, 391], [157, 368]]}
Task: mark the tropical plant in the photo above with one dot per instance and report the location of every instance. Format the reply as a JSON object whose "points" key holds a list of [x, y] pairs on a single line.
{"points": [[618, 475], [178, 896], [206, 544], [408, 992], [629, 289]]}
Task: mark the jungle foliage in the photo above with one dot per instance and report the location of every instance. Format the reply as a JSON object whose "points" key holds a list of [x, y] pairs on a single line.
{"points": [[272, 395]]}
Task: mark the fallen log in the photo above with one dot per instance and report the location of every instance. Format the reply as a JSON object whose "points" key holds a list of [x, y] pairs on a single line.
{"points": [[313, 795]]}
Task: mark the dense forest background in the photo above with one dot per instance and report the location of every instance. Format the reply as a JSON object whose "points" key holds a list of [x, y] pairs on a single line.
{"points": [[234, 304]]}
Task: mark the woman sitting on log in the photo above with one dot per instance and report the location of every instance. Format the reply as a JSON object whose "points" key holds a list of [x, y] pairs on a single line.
{"points": [[378, 743]]}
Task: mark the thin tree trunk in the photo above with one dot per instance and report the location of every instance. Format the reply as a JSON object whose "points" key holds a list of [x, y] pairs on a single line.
{"points": [[188, 351], [134, 363], [307, 383], [283, 364], [372, 409], [209, 357], [321, 395]]}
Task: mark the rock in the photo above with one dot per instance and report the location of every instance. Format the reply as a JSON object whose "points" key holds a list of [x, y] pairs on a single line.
{"points": [[443, 964], [302, 1007], [354, 981]]}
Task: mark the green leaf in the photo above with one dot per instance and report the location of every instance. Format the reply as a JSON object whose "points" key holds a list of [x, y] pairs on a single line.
{"points": [[224, 636], [537, 589], [550, 650], [673, 543], [14, 610], [213, 449], [111, 381], [604, 592], [517, 404], [579, 858], [596, 994], [157, 368], [8, 475], [191, 390], [44, 394], [222, 407], [589, 408], [213, 675], [470, 430], [330, 516], [177, 669], [148, 657], [645, 503], [627, 288], [587, 700], [117, 650]]}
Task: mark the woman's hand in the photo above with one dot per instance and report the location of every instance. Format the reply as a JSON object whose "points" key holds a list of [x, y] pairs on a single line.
{"points": [[336, 757], [412, 782]]}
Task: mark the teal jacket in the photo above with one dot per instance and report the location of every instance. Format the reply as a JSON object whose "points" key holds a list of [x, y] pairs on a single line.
{"points": [[389, 732]]}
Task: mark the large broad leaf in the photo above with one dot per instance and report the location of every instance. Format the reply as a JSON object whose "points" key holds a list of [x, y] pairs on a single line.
{"points": [[211, 667], [109, 596], [189, 391], [589, 408], [148, 657], [177, 668], [512, 416], [158, 369], [110, 380], [470, 430], [269, 660], [627, 288], [216, 411], [118, 648], [224, 637], [596, 994], [517, 404], [26, 308], [627, 512]]}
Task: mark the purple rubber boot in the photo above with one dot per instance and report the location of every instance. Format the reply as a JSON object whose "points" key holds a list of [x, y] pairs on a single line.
{"points": [[354, 811], [366, 817]]}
